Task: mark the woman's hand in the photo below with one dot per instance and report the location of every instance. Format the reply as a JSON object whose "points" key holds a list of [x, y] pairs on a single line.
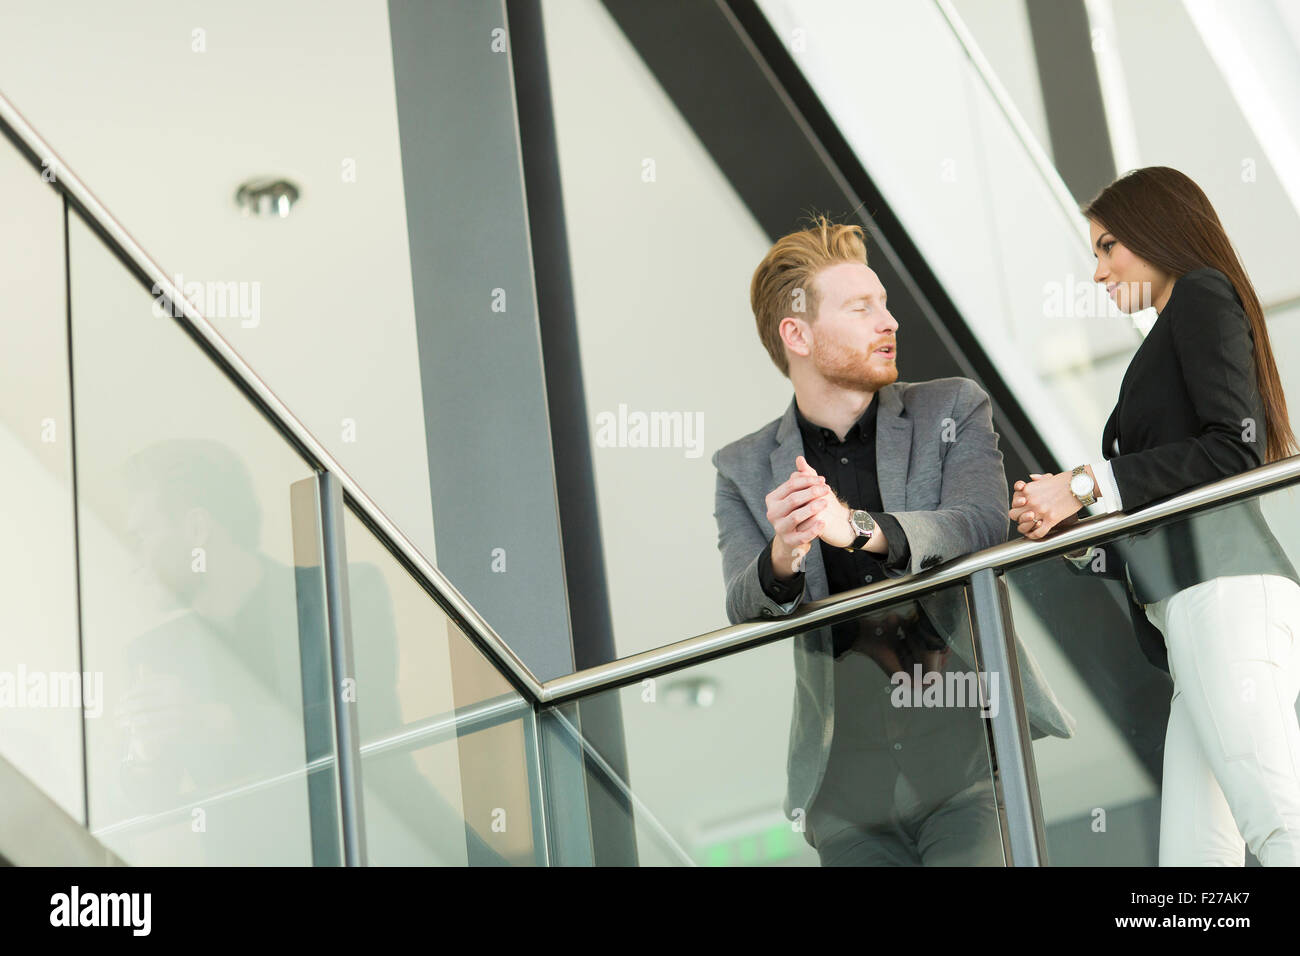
{"points": [[1042, 504]]}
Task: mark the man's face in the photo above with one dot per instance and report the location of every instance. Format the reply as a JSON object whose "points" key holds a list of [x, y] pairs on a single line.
{"points": [[162, 549], [853, 344]]}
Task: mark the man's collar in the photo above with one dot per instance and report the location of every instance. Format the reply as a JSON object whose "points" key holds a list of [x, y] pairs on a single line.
{"points": [[822, 436], [889, 414]]}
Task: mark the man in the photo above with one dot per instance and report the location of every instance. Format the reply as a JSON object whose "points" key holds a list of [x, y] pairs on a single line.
{"points": [[907, 476]]}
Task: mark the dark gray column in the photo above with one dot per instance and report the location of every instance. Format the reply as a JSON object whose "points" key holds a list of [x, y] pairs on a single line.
{"points": [[601, 719], [485, 404]]}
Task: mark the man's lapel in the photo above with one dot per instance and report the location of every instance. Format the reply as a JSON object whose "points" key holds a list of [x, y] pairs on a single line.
{"points": [[789, 446], [893, 449]]}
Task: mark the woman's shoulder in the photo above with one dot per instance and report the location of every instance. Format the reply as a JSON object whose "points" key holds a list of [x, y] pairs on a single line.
{"points": [[1204, 301], [1205, 284], [1205, 313]]}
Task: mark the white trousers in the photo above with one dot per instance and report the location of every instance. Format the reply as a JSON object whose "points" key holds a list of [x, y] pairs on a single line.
{"points": [[1232, 749]]}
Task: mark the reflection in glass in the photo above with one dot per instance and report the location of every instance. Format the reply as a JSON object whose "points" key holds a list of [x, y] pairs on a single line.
{"points": [[189, 594], [1102, 797], [907, 779], [886, 764], [445, 783]]}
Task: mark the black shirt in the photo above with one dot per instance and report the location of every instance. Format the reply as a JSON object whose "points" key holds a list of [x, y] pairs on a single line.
{"points": [[849, 467]]}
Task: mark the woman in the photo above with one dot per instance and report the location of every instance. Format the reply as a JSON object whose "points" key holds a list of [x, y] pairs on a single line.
{"points": [[1201, 400]]}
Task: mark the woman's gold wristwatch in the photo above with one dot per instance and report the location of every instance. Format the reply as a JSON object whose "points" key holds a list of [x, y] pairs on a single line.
{"points": [[1081, 485]]}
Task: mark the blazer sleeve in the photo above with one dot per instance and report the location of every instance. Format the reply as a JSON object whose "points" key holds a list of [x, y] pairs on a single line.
{"points": [[743, 544], [1087, 563], [1215, 351], [972, 511]]}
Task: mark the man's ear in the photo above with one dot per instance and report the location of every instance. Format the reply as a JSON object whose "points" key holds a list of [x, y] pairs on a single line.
{"points": [[198, 526], [794, 333]]}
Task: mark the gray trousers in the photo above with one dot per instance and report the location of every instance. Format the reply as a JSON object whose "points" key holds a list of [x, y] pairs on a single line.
{"points": [[904, 786], [963, 831]]}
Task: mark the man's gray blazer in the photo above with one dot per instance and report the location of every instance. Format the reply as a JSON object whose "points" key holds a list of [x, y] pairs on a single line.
{"points": [[940, 475]]}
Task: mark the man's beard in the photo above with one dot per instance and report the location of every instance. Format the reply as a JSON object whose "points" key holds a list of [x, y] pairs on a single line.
{"points": [[851, 370]]}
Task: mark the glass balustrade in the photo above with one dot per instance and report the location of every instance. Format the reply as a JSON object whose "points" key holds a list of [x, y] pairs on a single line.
{"points": [[189, 591], [1101, 790], [810, 750], [447, 746], [166, 674]]}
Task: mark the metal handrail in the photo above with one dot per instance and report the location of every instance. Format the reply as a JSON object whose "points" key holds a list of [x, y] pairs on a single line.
{"points": [[847, 604], [115, 235]]}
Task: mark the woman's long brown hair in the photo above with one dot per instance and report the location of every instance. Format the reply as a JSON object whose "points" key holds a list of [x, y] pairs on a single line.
{"points": [[1165, 218]]}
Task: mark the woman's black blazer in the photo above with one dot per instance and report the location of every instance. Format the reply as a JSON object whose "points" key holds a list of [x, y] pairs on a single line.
{"points": [[1189, 413]]}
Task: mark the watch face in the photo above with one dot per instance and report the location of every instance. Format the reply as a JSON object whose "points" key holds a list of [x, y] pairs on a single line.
{"points": [[862, 521], [1081, 486]]}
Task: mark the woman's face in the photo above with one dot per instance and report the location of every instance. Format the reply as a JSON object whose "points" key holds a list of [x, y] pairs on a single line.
{"points": [[1134, 284]]}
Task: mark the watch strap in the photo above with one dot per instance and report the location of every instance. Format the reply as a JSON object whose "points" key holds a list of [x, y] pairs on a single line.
{"points": [[861, 539]]}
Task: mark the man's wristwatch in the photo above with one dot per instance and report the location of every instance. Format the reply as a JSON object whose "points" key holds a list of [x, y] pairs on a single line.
{"points": [[863, 527], [1081, 486]]}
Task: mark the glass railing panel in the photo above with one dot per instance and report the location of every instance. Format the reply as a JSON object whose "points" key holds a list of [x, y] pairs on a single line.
{"points": [[208, 722], [1102, 789], [189, 589], [631, 828], [40, 732], [448, 757], [811, 750]]}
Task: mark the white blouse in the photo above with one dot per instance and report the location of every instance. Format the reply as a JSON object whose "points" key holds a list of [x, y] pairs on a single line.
{"points": [[1109, 501]]}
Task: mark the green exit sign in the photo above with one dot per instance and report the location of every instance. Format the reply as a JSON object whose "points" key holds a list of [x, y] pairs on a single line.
{"points": [[774, 844]]}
